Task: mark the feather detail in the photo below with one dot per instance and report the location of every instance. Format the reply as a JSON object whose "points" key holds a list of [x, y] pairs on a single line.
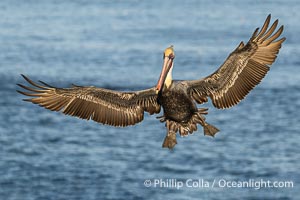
{"points": [[245, 67], [101, 105]]}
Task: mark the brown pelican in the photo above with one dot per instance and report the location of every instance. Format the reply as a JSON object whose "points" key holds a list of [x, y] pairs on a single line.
{"points": [[245, 67]]}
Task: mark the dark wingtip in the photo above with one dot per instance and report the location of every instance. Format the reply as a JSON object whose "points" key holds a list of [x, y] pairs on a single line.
{"points": [[21, 92], [46, 84], [25, 77], [24, 93], [254, 33], [74, 85], [268, 17], [33, 83]]}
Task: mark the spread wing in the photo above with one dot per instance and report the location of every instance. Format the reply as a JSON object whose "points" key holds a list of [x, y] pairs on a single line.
{"points": [[245, 67], [101, 105]]}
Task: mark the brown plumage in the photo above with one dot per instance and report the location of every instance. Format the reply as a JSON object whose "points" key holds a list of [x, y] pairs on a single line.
{"points": [[101, 105], [245, 67]]}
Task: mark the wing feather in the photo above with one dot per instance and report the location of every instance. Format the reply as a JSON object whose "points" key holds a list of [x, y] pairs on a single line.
{"points": [[245, 67], [101, 105]]}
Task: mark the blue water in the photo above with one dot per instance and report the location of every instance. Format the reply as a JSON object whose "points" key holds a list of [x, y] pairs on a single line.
{"points": [[119, 45]]}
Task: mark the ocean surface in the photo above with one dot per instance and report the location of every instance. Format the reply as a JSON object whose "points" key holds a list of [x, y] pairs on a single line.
{"points": [[119, 45]]}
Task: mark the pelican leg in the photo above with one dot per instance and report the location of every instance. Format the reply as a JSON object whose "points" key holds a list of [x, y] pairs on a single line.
{"points": [[170, 139], [210, 130], [207, 128]]}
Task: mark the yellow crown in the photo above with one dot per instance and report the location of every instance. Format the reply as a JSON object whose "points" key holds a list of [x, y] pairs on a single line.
{"points": [[169, 51]]}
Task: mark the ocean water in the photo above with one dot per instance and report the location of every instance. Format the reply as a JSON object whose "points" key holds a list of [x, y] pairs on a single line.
{"points": [[119, 45]]}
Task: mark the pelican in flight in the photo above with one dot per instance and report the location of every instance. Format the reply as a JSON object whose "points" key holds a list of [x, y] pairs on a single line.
{"points": [[244, 68]]}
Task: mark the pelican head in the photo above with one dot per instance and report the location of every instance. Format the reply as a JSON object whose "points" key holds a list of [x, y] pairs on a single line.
{"points": [[166, 73]]}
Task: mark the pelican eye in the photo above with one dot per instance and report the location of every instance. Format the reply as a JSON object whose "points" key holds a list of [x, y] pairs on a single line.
{"points": [[171, 56]]}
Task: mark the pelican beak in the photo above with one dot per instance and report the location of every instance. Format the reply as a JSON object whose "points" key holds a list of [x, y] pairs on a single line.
{"points": [[168, 63]]}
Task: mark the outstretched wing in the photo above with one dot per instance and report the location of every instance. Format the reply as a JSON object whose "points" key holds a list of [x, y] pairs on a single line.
{"points": [[245, 67], [101, 105]]}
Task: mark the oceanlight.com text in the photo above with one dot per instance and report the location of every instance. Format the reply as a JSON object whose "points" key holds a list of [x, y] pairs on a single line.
{"points": [[217, 183]]}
